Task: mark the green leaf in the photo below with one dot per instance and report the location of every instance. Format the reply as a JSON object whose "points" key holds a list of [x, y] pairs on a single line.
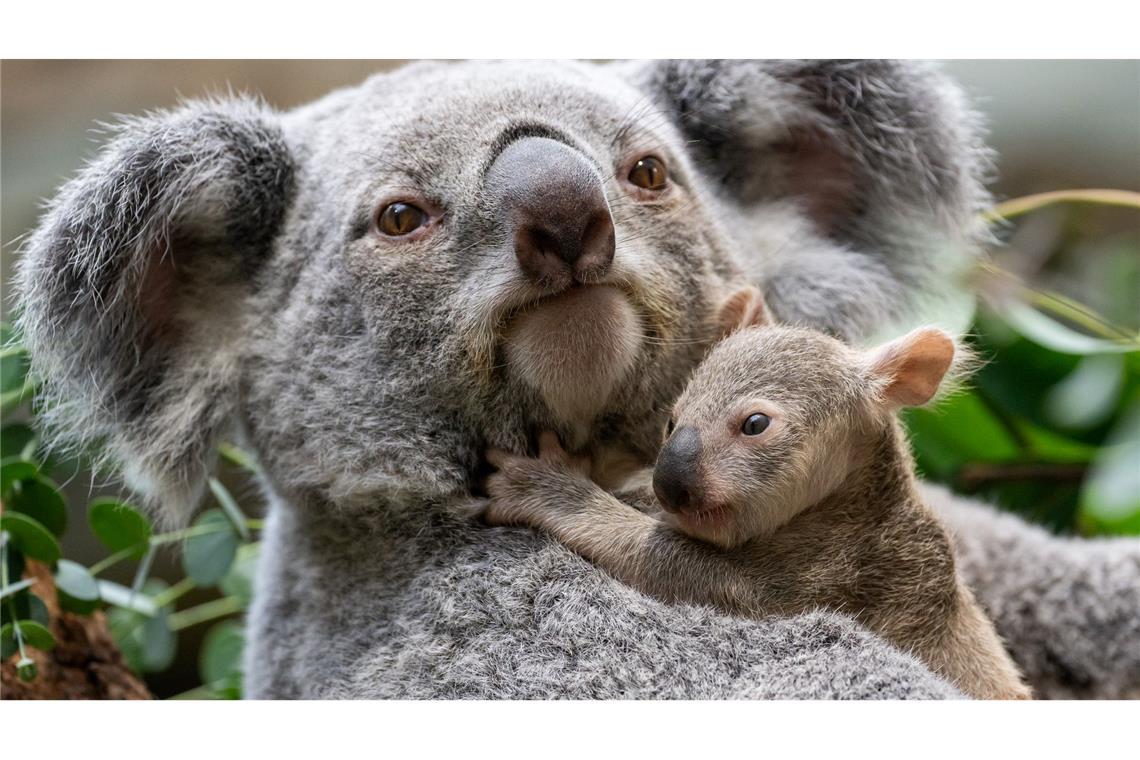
{"points": [[159, 644], [39, 498], [1110, 496], [14, 385], [1052, 334], [35, 635], [147, 644], [119, 526], [26, 605], [17, 587], [31, 537], [78, 590], [119, 595], [239, 580], [17, 440], [220, 656], [13, 469], [207, 557], [230, 507]]}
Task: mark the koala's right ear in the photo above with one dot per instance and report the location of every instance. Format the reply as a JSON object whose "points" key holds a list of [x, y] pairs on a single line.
{"points": [[744, 308], [909, 370], [135, 290]]}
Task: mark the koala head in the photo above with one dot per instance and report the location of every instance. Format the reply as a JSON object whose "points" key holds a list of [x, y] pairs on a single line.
{"points": [[776, 418], [371, 289]]}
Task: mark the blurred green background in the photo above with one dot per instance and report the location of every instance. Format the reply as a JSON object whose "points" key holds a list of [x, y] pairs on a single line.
{"points": [[1049, 427]]}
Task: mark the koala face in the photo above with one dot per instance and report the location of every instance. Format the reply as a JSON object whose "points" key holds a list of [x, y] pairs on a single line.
{"points": [[371, 289], [771, 423], [777, 418], [539, 287]]}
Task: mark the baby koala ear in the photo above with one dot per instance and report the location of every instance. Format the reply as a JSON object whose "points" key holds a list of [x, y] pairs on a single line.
{"points": [[744, 308], [912, 367]]}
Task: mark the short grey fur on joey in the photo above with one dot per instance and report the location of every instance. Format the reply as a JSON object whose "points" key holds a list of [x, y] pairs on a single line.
{"points": [[784, 486], [371, 290]]}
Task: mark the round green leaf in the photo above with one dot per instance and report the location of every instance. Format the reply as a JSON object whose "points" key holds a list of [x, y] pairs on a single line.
{"points": [[158, 644], [31, 537], [26, 605], [40, 499], [13, 469], [15, 439], [35, 635], [119, 526], [78, 590], [207, 557], [220, 656], [239, 580], [13, 376]]}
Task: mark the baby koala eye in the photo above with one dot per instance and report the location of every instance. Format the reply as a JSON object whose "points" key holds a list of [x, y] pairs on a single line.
{"points": [[649, 173], [756, 424], [669, 427], [399, 219]]}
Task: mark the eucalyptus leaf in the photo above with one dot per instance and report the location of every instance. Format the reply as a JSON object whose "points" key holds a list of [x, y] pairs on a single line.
{"points": [[119, 595], [78, 590], [220, 656], [13, 469], [119, 526], [239, 580], [39, 498], [31, 538], [207, 557], [159, 644], [34, 634], [17, 440]]}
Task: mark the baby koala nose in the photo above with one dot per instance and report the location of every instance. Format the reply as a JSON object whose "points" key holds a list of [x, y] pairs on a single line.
{"points": [[553, 203], [675, 475]]}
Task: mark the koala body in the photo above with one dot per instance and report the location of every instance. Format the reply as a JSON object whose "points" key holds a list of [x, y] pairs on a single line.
{"points": [[369, 290], [787, 472]]}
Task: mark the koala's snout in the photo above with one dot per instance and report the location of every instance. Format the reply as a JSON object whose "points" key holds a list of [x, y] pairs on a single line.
{"points": [[675, 476], [553, 203]]}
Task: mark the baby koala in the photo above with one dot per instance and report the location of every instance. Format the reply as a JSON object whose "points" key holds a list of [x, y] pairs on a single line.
{"points": [[785, 484]]}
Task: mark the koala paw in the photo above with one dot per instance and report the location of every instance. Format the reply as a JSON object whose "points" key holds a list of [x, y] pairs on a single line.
{"points": [[525, 489]]}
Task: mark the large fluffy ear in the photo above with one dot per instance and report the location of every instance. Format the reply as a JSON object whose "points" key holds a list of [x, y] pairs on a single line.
{"points": [[883, 161], [135, 287], [910, 369], [744, 308]]}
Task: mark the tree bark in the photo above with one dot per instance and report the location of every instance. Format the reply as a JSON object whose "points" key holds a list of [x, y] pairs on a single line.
{"points": [[85, 662]]}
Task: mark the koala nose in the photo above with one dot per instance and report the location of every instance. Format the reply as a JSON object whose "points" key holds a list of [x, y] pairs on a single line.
{"points": [[553, 203], [675, 476]]}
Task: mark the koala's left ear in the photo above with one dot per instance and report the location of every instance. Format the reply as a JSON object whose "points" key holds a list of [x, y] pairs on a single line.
{"points": [[744, 308], [910, 369], [137, 290]]}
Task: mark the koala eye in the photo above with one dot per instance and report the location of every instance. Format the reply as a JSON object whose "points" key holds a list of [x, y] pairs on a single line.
{"points": [[649, 173], [399, 219], [756, 424], [669, 427]]}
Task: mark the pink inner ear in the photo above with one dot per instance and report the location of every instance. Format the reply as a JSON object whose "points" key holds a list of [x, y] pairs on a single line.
{"points": [[914, 366], [744, 308]]}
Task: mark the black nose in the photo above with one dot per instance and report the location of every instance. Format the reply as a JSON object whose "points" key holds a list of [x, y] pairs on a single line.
{"points": [[675, 476], [552, 201]]}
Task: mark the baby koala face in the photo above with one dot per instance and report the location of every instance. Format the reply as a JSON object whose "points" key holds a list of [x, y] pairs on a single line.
{"points": [[777, 417]]}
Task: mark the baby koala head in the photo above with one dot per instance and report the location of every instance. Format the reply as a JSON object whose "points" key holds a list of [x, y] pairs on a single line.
{"points": [[777, 417]]}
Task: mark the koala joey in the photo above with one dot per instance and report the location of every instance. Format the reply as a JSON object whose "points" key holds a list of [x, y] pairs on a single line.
{"points": [[785, 484]]}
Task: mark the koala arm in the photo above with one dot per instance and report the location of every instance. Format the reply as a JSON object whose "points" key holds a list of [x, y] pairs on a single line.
{"points": [[549, 493], [1068, 609]]}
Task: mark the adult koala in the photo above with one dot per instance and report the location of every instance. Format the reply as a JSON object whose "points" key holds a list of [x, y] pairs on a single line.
{"points": [[373, 288]]}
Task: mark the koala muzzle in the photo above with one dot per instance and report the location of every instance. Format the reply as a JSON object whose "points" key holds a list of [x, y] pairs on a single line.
{"points": [[552, 201], [675, 478]]}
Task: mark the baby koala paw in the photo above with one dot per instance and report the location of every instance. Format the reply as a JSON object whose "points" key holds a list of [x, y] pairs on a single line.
{"points": [[524, 490]]}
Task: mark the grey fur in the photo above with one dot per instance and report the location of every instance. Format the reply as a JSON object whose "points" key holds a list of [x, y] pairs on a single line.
{"points": [[369, 377]]}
